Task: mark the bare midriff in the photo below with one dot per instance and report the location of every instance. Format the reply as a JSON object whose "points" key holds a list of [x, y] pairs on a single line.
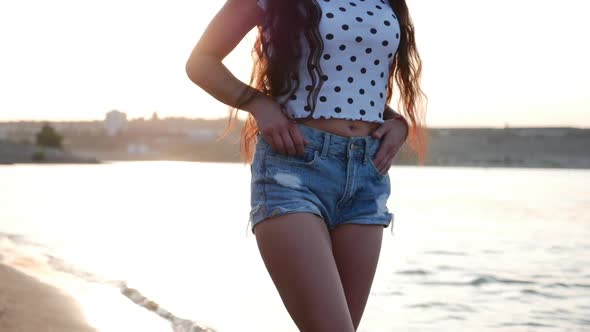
{"points": [[344, 127]]}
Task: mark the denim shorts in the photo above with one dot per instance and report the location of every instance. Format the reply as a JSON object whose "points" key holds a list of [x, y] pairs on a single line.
{"points": [[336, 180]]}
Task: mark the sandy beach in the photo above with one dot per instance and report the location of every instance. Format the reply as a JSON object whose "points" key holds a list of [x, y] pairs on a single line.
{"points": [[27, 304]]}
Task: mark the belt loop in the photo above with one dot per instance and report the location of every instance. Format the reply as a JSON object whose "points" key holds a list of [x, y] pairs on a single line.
{"points": [[325, 145], [366, 156]]}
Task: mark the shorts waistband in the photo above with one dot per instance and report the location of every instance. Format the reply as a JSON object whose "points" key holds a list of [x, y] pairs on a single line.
{"points": [[338, 145]]}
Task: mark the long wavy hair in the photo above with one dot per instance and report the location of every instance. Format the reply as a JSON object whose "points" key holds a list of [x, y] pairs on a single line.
{"points": [[276, 61]]}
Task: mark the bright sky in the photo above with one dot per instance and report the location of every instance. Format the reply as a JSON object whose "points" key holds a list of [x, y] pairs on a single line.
{"points": [[486, 63]]}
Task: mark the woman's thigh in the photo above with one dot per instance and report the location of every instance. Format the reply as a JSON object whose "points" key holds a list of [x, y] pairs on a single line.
{"points": [[297, 252], [356, 249]]}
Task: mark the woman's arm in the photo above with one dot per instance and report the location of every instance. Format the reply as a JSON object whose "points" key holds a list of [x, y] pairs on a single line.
{"points": [[389, 114], [394, 134], [204, 66]]}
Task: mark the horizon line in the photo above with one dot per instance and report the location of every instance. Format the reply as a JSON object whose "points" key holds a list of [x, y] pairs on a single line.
{"points": [[508, 126]]}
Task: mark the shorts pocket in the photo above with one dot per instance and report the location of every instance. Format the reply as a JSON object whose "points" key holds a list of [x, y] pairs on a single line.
{"points": [[375, 170], [308, 159]]}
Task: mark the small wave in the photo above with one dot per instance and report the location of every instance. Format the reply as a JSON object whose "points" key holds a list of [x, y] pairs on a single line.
{"points": [[449, 267], [530, 324], [552, 312], [558, 248], [414, 272], [21, 252], [558, 285], [543, 294], [455, 307], [392, 293], [427, 305], [492, 279], [564, 285], [481, 280], [444, 252], [11, 236], [19, 239], [60, 265]]}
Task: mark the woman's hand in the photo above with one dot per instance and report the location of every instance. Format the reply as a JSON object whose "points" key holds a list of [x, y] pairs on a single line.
{"points": [[393, 133], [282, 133]]}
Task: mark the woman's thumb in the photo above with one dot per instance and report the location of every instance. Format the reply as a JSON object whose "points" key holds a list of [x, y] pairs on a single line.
{"points": [[378, 133]]}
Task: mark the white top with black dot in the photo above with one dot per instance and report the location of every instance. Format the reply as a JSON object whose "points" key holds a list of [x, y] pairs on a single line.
{"points": [[360, 40]]}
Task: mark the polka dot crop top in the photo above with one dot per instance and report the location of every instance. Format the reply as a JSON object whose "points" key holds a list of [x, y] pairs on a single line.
{"points": [[360, 40]]}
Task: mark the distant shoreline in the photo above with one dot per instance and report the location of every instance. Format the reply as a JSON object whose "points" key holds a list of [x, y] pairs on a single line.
{"points": [[199, 140], [24, 153], [103, 162]]}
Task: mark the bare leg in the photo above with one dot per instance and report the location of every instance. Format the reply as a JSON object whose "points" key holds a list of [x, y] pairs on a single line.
{"points": [[297, 253], [356, 251]]}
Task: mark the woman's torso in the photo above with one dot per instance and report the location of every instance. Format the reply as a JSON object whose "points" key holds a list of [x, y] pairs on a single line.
{"points": [[359, 39], [344, 127]]}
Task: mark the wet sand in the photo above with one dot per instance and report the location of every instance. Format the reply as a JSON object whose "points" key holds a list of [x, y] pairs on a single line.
{"points": [[27, 304]]}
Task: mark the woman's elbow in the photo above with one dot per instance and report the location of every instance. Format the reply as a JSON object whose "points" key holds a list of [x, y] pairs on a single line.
{"points": [[192, 69]]}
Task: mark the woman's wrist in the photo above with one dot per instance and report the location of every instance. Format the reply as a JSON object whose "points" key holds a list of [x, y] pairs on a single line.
{"points": [[390, 114], [255, 103], [400, 118]]}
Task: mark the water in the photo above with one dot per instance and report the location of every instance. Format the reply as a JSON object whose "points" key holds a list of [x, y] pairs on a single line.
{"points": [[474, 249]]}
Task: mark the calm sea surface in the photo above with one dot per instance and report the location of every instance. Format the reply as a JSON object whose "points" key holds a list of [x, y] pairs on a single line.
{"points": [[473, 249]]}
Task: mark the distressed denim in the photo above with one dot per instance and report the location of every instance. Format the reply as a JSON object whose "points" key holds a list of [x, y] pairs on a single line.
{"points": [[336, 180]]}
